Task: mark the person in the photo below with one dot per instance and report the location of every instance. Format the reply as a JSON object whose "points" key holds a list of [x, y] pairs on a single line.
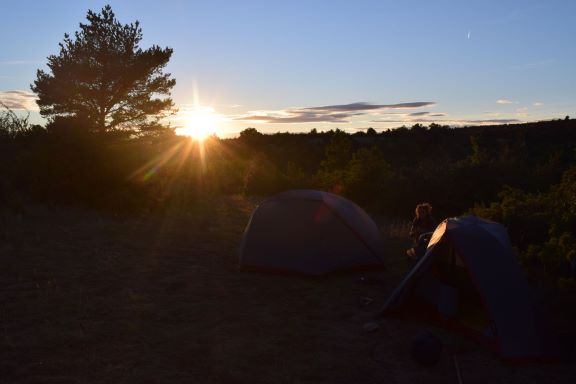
{"points": [[423, 222], [420, 230]]}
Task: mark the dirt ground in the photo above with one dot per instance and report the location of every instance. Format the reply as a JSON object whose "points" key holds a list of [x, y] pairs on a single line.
{"points": [[92, 297]]}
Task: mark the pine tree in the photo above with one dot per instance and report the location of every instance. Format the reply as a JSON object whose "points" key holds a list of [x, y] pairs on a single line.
{"points": [[103, 78]]}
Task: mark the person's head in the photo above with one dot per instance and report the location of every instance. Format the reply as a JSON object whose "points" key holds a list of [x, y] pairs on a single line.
{"points": [[423, 210]]}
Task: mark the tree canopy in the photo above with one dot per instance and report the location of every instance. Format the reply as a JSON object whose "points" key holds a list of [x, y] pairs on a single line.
{"points": [[11, 125], [104, 79]]}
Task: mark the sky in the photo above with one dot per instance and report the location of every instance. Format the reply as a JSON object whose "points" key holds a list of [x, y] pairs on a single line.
{"points": [[291, 66]]}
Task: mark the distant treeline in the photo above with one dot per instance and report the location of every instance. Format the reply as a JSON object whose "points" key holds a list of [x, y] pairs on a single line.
{"points": [[388, 172], [521, 174]]}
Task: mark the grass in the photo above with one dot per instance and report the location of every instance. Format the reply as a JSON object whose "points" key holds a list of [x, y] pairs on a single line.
{"points": [[88, 297]]}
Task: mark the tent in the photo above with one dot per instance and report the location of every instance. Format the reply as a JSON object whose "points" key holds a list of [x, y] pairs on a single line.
{"points": [[310, 232], [470, 280]]}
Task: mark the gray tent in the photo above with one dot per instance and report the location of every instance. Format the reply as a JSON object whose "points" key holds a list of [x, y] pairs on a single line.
{"points": [[310, 232], [470, 280]]}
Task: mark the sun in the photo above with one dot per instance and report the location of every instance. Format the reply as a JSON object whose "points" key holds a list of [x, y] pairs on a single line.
{"points": [[199, 123]]}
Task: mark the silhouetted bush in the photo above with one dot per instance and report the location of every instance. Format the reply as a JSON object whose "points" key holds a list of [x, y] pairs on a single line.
{"points": [[540, 224]]}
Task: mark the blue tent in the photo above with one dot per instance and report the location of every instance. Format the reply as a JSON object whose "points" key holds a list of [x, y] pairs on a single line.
{"points": [[470, 280], [310, 232]]}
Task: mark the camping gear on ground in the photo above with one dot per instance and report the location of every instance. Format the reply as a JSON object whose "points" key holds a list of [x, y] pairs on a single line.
{"points": [[310, 232], [470, 280]]}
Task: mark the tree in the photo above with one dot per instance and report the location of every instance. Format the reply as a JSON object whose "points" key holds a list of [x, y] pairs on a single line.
{"points": [[103, 77], [249, 133], [251, 136], [368, 175], [479, 153], [11, 124], [338, 152]]}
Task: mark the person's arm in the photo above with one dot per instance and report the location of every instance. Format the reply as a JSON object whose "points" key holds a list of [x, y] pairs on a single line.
{"points": [[414, 228]]}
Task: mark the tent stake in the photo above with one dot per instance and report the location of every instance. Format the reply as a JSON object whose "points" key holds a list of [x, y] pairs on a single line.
{"points": [[457, 366]]}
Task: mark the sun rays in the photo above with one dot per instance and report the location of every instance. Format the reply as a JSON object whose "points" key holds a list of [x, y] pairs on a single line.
{"points": [[199, 122], [183, 166]]}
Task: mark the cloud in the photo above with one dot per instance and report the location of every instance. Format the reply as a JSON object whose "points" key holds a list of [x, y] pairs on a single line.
{"points": [[326, 114], [452, 122], [439, 114], [301, 117], [19, 62], [419, 114], [361, 106], [504, 101], [522, 112], [18, 100], [494, 121], [537, 104]]}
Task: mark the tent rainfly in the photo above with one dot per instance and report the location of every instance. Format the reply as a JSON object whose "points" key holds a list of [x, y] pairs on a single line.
{"points": [[470, 280], [310, 232]]}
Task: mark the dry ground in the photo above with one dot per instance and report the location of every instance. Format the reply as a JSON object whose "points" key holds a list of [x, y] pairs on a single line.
{"points": [[89, 297]]}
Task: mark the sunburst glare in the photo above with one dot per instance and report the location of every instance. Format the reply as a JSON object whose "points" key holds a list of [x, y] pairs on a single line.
{"points": [[199, 122]]}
